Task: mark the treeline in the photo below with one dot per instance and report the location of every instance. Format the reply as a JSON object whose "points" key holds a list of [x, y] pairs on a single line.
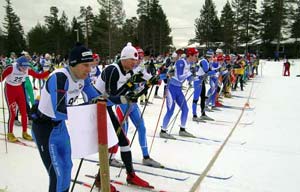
{"points": [[106, 32], [241, 23]]}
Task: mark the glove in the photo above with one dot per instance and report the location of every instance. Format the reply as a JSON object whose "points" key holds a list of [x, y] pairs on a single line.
{"points": [[130, 97], [154, 80], [137, 78], [51, 68], [204, 75], [193, 71], [171, 72]]}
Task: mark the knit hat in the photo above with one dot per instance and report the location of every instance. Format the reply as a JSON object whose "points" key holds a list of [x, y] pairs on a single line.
{"points": [[219, 51], [129, 52], [209, 53], [23, 61], [80, 54]]}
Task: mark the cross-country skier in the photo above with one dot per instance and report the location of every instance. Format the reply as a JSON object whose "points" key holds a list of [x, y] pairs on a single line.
{"points": [[15, 74], [175, 94], [138, 121], [117, 79]]}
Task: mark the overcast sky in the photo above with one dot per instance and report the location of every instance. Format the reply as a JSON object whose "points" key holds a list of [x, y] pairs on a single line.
{"points": [[181, 14]]}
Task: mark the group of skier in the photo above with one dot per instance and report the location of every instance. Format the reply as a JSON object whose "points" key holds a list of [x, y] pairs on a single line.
{"points": [[132, 76]]}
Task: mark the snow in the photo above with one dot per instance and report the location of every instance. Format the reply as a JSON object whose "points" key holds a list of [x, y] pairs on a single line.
{"points": [[262, 155]]}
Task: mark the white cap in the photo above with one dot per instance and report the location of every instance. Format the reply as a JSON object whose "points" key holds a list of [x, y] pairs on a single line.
{"points": [[219, 51], [174, 54], [129, 52]]}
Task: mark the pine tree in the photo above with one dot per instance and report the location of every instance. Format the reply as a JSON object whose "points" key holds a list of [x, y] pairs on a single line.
{"points": [[100, 29], [227, 25], [296, 24], [58, 31], [129, 30], [248, 21], [296, 29], [205, 24], [159, 29], [38, 39], [1, 42], [237, 10], [115, 16], [86, 19], [144, 26], [76, 31], [13, 33]]}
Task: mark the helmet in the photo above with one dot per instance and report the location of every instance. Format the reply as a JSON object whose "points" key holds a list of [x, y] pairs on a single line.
{"points": [[191, 51]]}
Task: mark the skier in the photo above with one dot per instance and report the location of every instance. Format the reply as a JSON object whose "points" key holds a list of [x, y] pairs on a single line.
{"points": [[175, 94], [199, 87], [15, 74], [49, 129], [117, 79], [95, 71], [138, 121], [286, 66]]}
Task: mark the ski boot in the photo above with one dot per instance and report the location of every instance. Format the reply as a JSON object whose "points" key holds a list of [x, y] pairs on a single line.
{"points": [[26, 136], [197, 119], [166, 135], [151, 163], [115, 163], [133, 179], [184, 133], [11, 137], [98, 184]]}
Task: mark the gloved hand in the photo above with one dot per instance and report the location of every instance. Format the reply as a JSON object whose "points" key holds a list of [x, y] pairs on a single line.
{"points": [[154, 80], [135, 78], [204, 75], [171, 72], [131, 97], [51, 68], [193, 71]]}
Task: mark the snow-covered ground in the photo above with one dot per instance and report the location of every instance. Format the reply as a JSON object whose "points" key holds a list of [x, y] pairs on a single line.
{"points": [[262, 155]]}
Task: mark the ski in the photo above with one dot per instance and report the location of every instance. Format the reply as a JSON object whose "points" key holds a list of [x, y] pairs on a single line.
{"points": [[242, 123], [148, 173], [186, 172], [238, 108], [174, 170], [202, 140], [129, 185], [20, 143], [82, 183]]}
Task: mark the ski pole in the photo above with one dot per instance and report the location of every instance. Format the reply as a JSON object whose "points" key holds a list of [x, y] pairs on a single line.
{"points": [[164, 99], [77, 173]]}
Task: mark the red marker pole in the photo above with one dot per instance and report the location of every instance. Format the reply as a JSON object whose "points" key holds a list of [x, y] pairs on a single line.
{"points": [[103, 148]]}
